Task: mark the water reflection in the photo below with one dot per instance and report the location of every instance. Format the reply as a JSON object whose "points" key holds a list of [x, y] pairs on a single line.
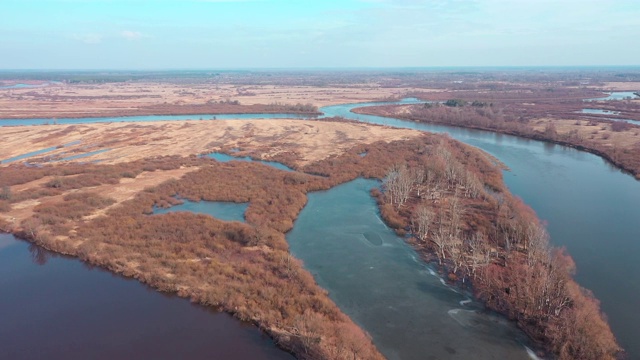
{"points": [[591, 209], [53, 307], [39, 255]]}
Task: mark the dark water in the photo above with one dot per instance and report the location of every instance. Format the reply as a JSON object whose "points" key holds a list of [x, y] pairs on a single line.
{"points": [[381, 283], [226, 211], [54, 307], [590, 207]]}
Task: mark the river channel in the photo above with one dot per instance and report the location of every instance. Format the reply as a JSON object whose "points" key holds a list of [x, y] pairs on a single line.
{"points": [[590, 207], [56, 307]]}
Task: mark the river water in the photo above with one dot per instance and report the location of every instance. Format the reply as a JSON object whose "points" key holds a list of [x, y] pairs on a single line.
{"points": [[590, 207], [144, 118], [381, 283], [56, 307]]}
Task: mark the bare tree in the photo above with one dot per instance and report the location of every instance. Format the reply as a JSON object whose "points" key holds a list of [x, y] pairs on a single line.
{"points": [[306, 328], [537, 245], [456, 211], [398, 184], [478, 252], [454, 247], [32, 227], [440, 238], [422, 219], [419, 177]]}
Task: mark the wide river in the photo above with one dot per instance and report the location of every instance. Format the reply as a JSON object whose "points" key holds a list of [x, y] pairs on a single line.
{"points": [[56, 307], [590, 207]]}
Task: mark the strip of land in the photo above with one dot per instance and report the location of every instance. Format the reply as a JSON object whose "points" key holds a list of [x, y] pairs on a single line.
{"points": [[101, 213]]}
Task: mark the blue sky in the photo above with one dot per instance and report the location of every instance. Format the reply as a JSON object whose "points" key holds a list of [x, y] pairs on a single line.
{"points": [[216, 34]]}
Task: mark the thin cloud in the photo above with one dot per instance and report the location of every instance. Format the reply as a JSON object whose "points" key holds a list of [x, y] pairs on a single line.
{"points": [[132, 35], [90, 38]]}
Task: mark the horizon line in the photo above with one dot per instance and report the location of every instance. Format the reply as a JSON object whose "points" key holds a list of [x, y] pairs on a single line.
{"points": [[329, 68]]}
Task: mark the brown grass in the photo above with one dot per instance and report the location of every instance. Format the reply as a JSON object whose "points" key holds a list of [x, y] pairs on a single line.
{"points": [[302, 141], [246, 269]]}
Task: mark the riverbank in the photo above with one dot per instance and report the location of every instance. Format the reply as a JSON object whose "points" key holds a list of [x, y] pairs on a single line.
{"points": [[93, 313], [164, 270], [209, 261], [490, 241], [227, 108], [577, 134]]}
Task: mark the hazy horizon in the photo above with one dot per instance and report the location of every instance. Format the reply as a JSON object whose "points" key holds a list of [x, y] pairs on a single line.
{"points": [[348, 34], [338, 68]]}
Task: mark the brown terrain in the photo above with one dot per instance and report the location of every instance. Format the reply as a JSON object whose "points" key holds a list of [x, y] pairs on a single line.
{"points": [[306, 141], [101, 213], [451, 196], [62, 205], [616, 141], [140, 98]]}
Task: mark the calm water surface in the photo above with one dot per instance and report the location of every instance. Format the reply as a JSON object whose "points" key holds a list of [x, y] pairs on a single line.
{"points": [[226, 158], [144, 118], [617, 95], [226, 211], [599, 112], [590, 207], [381, 283], [55, 307]]}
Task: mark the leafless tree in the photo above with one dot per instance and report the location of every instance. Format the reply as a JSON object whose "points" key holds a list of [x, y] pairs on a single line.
{"points": [[422, 219], [537, 245], [440, 238], [478, 252], [398, 184]]}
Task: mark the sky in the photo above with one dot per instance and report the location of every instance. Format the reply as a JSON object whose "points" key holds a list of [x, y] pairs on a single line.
{"points": [[233, 34]]}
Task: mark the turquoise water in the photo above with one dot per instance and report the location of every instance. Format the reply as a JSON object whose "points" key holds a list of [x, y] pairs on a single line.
{"points": [[382, 284], [226, 158], [21, 86], [599, 112], [28, 155], [609, 112], [617, 95], [47, 150], [591, 208], [226, 211]]}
